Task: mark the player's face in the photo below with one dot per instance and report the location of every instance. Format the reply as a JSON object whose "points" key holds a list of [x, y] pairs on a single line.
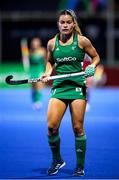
{"points": [[35, 44], [66, 24]]}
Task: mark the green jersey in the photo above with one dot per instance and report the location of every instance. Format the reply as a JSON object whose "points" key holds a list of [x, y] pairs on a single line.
{"points": [[36, 58], [37, 65], [68, 59]]}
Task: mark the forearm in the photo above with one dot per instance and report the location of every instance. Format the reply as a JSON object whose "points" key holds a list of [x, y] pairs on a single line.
{"points": [[49, 68], [95, 61]]}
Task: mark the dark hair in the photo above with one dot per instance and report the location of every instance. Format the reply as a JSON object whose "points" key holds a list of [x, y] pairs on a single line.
{"points": [[67, 11], [74, 17]]}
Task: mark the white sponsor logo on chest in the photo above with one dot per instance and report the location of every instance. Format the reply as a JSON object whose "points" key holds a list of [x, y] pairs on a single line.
{"points": [[65, 59]]}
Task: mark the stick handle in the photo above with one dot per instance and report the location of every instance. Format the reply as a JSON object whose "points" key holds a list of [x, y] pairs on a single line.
{"points": [[57, 77], [66, 75]]}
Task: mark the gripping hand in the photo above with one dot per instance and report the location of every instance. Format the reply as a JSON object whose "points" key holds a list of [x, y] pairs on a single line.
{"points": [[89, 71]]}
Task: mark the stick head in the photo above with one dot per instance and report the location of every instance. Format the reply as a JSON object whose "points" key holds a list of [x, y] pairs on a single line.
{"points": [[8, 79]]}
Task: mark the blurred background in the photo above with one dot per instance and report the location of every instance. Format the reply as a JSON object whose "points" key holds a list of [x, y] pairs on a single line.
{"points": [[98, 19], [24, 151]]}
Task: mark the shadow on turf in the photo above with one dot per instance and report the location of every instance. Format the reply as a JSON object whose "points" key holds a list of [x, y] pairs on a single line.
{"points": [[63, 174]]}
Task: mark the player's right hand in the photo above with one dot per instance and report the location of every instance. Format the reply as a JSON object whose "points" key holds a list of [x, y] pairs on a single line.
{"points": [[45, 77]]}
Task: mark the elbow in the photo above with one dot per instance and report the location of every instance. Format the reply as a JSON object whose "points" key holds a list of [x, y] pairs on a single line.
{"points": [[97, 59]]}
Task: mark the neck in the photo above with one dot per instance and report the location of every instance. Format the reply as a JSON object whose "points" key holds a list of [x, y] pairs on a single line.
{"points": [[65, 37]]}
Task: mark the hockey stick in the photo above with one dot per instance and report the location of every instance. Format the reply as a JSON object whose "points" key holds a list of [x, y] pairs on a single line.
{"points": [[9, 79]]}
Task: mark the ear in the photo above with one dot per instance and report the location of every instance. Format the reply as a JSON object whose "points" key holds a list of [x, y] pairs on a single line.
{"points": [[74, 24]]}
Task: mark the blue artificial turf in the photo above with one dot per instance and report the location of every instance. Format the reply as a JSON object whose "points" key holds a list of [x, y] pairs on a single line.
{"points": [[24, 150]]}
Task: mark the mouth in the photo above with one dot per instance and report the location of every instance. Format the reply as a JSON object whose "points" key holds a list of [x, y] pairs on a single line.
{"points": [[65, 30]]}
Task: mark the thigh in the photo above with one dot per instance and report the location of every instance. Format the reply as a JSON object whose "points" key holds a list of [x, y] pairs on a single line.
{"points": [[56, 110], [77, 109], [38, 85]]}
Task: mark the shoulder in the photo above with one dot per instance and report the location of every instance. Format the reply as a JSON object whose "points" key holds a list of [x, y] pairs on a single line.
{"points": [[83, 41], [43, 49], [51, 44]]}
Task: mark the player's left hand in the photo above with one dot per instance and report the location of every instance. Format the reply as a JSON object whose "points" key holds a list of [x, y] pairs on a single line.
{"points": [[90, 71]]}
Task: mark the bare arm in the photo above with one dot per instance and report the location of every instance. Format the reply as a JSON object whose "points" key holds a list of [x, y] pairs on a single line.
{"points": [[90, 50], [50, 63], [49, 59], [25, 54]]}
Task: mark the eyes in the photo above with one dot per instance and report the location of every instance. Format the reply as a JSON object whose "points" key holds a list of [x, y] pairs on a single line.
{"points": [[65, 22]]}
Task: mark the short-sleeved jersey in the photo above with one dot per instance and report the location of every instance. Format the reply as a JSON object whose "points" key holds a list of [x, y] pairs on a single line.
{"points": [[68, 59]]}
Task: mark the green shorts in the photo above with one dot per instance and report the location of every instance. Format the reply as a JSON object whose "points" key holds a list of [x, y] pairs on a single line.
{"points": [[69, 93]]}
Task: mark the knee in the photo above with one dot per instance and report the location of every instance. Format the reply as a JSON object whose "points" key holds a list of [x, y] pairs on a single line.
{"points": [[52, 130], [78, 130]]}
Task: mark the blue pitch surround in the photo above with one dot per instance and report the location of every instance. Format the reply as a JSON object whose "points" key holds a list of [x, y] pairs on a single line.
{"points": [[24, 151]]}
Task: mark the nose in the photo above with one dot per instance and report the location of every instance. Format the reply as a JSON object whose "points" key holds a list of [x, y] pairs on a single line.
{"points": [[65, 24]]}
